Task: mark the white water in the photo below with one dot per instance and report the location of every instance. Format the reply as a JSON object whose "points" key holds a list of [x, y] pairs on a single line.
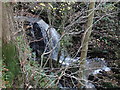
{"points": [[93, 66], [51, 35], [105, 68]]}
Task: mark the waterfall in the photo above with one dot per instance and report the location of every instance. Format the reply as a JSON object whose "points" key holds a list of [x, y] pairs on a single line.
{"points": [[51, 41], [52, 38], [93, 66]]}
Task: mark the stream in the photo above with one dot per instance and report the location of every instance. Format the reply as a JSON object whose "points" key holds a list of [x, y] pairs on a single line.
{"points": [[47, 44]]}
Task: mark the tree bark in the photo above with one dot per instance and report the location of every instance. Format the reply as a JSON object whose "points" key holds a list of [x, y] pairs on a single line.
{"points": [[7, 23], [85, 40], [1, 82], [9, 51]]}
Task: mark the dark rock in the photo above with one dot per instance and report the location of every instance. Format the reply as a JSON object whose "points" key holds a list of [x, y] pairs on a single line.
{"points": [[37, 44], [91, 77]]}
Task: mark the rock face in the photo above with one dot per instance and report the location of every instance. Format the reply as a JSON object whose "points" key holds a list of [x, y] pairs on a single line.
{"points": [[38, 44]]}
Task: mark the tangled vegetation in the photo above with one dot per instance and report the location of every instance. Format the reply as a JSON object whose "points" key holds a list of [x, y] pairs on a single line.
{"points": [[22, 70]]}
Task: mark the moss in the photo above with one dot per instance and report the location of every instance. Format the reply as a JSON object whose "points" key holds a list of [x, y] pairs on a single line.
{"points": [[0, 63], [108, 85], [11, 61], [117, 76]]}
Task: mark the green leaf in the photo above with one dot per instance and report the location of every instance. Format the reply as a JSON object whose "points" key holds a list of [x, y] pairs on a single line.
{"points": [[50, 5], [42, 4]]}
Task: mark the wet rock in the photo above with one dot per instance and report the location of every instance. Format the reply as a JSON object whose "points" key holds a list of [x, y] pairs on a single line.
{"points": [[91, 77]]}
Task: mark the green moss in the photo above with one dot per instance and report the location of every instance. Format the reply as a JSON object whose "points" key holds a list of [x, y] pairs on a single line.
{"points": [[117, 76], [11, 61], [108, 85]]}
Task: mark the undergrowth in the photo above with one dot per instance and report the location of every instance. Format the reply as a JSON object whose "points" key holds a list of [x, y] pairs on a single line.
{"points": [[34, 75]]}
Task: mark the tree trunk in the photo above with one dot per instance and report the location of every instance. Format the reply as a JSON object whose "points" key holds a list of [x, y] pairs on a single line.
{"points": [[9, 51], [85, 40], [1, 84], [7, 23]]}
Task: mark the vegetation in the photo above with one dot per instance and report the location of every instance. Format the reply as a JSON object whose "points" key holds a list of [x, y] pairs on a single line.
{"points": [[87, 30]]}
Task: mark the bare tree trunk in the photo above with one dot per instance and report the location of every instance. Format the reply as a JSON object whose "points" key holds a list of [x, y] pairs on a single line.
{"points": [[85, 40], [7, 23]]}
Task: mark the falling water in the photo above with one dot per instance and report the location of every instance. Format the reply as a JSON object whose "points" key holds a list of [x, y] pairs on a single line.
{"points": [[51, 35], [51, 39], [93, 66]]}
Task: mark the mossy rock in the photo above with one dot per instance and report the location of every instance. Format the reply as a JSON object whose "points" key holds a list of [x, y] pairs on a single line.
{"points": [[11, 61]]}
